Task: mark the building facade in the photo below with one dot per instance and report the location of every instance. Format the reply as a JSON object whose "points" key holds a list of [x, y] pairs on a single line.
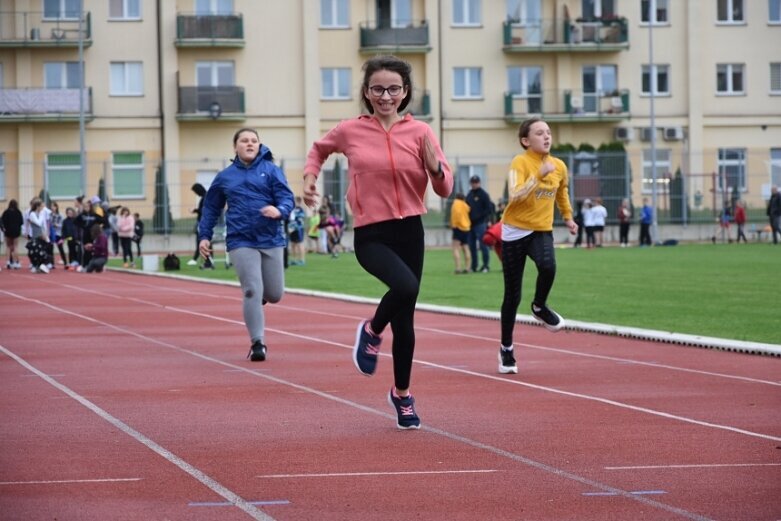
{"points": [[123, 96]]}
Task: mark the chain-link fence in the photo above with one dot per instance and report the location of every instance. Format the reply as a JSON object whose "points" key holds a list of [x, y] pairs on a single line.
{"points": [[160, 192]]}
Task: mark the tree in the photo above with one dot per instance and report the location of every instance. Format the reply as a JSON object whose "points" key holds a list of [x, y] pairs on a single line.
{"points": [[162, 219]]}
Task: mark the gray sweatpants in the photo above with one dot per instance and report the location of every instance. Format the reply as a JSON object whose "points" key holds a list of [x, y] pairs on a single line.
{"points": [[262, 276]]}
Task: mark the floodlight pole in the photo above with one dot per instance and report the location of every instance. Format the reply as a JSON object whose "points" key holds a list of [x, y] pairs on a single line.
{"points": [[652, 84], [82, 154]]}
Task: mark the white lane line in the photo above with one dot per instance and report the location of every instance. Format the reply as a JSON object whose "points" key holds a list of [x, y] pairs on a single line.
{"points": [[695, 466], [68, 481], [338, 399], [169, 456], [372, 474]]}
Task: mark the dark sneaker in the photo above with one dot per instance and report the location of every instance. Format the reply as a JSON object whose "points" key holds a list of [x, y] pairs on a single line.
{"points": [[366, 349], [549, 318], [405, 410], [257, 353], [507, 363]]}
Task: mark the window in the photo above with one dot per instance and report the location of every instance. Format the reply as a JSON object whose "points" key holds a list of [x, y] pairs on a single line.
{"points": [[61, 75], [654, 11], [60, 9], [466, 12], [526, 83], [127, 79], [598, 9], [465, 173], [599, 81], [214, 74], [2, 176], [729, 11], [729, 78], [775, 78], [775, 166], [335, 83], [124, 9], [524, 12], [127, 170], [334, 13], [213, 7], [63, 175], [467, 83], [656, 80], [663, 167], [774, 11], [732, 168]]}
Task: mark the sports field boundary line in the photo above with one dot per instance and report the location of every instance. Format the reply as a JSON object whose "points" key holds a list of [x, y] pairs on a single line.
{"points": [[723, 344]]}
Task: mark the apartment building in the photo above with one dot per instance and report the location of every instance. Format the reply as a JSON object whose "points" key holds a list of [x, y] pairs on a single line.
{"points": [[685, 86]]}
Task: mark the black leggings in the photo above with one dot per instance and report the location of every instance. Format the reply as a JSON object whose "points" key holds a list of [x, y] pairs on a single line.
{"points": [[538, 246], [392, 251]]}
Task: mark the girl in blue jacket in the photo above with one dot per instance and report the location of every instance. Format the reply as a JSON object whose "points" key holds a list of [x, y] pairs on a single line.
{"points": [[259, 200]]}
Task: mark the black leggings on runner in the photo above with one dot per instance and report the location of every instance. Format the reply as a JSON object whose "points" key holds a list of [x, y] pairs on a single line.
{"points": [[392, 251], [539, 247]]}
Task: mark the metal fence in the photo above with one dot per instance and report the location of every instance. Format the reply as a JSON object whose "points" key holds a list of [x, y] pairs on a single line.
{"points": [[161, 192]]}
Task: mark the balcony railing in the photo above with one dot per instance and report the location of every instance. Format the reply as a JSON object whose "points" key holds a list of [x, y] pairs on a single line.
{"points": [[199, 103], [34, 104], [398, 37], [209, 30], [568, 105], [420, 106], [35, 29], [606, 35]]}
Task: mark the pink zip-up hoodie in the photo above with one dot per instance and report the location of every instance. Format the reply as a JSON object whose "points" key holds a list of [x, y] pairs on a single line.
{"points": [[388, 176]]}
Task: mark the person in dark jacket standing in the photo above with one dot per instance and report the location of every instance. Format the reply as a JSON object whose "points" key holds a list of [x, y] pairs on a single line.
{"points": [[199, 190], [259, 201], [11, 224], [480, 209], [774, 213]]}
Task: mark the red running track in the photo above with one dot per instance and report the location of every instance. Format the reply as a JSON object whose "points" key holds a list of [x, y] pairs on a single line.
{"points": [[129, 397]]}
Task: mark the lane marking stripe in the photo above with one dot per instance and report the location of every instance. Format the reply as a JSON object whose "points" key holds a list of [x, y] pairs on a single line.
{"points": [[695, 466], [354, 474], [66, 481]]}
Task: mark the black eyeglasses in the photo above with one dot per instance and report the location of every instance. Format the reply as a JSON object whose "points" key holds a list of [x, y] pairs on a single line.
{"points": [[379, 90]]}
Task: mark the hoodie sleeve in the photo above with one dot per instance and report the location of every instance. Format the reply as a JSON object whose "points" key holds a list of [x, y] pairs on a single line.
{"points": [[322, 148], [443, 186]]}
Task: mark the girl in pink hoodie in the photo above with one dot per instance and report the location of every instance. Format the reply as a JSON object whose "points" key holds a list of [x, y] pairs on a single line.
{"points": [[125, 226], [391, 159]]}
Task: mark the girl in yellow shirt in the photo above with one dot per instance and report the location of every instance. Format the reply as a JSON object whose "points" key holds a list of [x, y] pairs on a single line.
{"points": [[460, 224], [536, 181]]}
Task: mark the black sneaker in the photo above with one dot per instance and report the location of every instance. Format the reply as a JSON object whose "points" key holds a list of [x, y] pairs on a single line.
{"points": [[257, 353], [549, 318], [507, 363], [405, 410], [366, 349]]}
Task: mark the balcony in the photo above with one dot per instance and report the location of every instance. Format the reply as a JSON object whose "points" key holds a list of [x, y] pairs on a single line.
{"points": [[35, 29], [420, 106], [566, 35], [399, 37], [209, 30], [44, 105], [568, 106], [211, 103]]}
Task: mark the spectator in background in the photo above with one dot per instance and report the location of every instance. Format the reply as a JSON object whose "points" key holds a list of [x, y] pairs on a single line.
{"points": [[296, 233], [579, 221], [646, 218], [480, 211], [459, 223], [37, 247], [624, 220], [740, 220], [98, 249], [11, 222], [588, 223], [71, 236], [125, 228], [55, 232], [138, 233], [113, 218], [599, 218], [774, 213], [199, 190], [84, 221]]}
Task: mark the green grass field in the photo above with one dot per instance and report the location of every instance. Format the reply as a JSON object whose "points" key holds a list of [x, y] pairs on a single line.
{"points": [[723, 290]]}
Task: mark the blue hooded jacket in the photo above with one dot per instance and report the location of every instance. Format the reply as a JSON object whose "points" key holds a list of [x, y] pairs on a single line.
{"points": [[246, 189]]}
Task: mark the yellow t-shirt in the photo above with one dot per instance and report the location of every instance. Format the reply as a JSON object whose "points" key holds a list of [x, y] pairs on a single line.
{"points": [[459, 215], [532, 198]]}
